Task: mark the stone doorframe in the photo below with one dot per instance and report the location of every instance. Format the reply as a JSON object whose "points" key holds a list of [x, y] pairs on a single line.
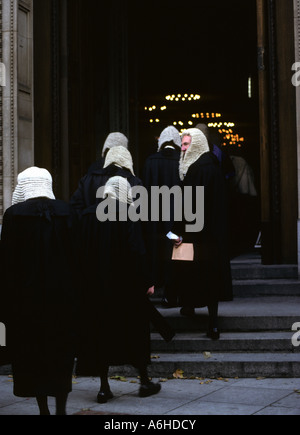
{"points": [[16, 109]]}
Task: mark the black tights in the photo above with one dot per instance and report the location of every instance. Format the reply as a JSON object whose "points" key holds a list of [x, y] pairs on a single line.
{"points": [[213, 310], [61, 403], [104, 377]]}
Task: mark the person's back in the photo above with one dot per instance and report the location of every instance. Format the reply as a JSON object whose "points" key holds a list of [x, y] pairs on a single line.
{"points": [[116, 325], [162, 170], [40, 292], [118, 162]]}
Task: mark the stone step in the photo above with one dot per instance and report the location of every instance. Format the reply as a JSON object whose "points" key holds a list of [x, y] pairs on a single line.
{"points": [[243, 288], [234, 324], [264, 314], [259, 272], [225, 365], [229, 342], [266, 287]]}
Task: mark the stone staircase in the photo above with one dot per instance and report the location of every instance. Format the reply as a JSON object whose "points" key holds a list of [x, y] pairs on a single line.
{"points": [[256, 339], [256, 327]]}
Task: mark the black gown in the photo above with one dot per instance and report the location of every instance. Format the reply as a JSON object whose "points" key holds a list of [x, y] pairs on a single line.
{"points": [[115, 315], [207, 279], [161, 169], [85, 195], [40, 296]]}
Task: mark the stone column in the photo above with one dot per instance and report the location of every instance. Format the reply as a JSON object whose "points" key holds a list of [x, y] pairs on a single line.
{"points": [[17, 101], [297, 90]]}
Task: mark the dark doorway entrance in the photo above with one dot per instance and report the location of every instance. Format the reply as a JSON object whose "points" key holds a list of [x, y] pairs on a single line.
{"points": [[207, 50]]}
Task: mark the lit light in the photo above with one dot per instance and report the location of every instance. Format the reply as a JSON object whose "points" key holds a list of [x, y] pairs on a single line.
{"points": [[157, 120], [250, 87]]}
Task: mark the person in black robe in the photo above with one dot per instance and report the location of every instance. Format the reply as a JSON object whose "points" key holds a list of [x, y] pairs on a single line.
{"points": [[4, 356], [118, 162], [40, 291], [214, 142], [206, 281], [162, 169], [116, 311]]}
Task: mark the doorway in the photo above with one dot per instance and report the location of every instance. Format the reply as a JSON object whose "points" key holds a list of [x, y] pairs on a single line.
{"points": [[198, 64]]}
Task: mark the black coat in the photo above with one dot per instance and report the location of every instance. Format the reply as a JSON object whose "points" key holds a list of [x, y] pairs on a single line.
{"points": [[4, 357], [115, 315], [161, 169], [85, 195], [207, 279], [40, 296]]}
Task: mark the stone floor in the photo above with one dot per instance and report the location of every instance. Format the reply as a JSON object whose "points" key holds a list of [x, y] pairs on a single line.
{"points": [[179, 397]]}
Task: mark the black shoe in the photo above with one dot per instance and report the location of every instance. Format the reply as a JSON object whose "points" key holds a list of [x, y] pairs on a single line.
{"points": [[104, 396], [214, 334], [168, 304], [147, 390], [187, 312]]}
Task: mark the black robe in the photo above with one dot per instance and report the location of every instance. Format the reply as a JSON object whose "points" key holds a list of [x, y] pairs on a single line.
{"points": [[207, 279], [40, 296], [4, 356], [85, 195], [161, 169], [115, 315]]}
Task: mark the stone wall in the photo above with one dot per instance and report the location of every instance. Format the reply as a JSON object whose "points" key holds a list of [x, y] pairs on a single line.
{"points": [[16, 113]]}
